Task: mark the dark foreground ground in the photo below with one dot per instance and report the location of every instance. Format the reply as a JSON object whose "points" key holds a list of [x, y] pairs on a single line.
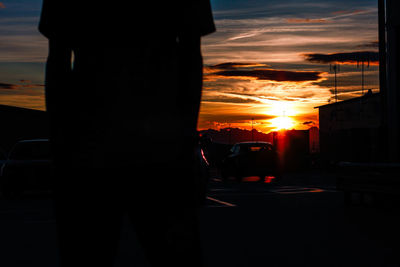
{"points": [[301, 221]]}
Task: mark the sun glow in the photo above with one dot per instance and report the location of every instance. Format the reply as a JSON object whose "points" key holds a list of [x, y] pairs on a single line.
{"points": [[283, 113], [282, 123], [282, 109]]}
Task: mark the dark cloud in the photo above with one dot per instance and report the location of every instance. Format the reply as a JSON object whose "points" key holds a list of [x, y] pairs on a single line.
{"points": [[344, 90], [235, 118], [273, 75], [8, 86], [345, 58], [31, 85], [246, 70], [346, 95], [308, 122], [234, 65], [25, 84], [374, 44], [307, 21], [225, 99]]}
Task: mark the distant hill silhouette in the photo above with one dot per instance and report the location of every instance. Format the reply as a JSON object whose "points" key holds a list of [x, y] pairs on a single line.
{"points": [[235, 135]]}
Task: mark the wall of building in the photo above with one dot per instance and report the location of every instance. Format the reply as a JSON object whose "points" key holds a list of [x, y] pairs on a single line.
{"points": [[350, 130]]}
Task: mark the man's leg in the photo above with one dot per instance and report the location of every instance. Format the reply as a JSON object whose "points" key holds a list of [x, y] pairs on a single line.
{"points": [[166, 220], [88, 220]]}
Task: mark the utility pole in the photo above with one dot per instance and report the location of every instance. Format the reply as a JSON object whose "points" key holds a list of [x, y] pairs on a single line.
{"points": [[383, 79], [335, 68], [393, 79], [362, 73], [362, 78]]}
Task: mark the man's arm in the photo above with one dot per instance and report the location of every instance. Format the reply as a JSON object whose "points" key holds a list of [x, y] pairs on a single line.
{"points": [[58, 72]]}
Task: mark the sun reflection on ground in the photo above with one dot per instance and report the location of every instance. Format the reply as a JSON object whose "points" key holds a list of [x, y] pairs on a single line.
{"points": [[266, 179]]}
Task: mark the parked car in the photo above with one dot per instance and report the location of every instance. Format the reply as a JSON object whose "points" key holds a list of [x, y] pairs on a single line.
{"points": [[251, 159], [203, 173], [28, 167]]}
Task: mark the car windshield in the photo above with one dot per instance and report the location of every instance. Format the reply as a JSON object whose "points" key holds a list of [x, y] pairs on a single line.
{"points": [[31, 151]]}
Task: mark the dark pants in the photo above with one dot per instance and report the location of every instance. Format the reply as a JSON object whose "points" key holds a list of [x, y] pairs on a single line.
{"points": [[90, 206]]}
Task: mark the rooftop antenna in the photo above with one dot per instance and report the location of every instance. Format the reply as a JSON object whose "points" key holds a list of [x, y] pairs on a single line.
{"points": [[362, 62], [335, 68]]}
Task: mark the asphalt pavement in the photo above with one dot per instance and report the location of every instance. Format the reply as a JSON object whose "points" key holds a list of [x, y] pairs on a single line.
{"points": [[299, 221], [302, 221]]}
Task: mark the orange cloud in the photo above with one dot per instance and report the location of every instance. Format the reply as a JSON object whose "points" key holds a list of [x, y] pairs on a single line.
{"points": [[347, 12], [311, 21], [2, 5], [374, 44], [24, 101]]}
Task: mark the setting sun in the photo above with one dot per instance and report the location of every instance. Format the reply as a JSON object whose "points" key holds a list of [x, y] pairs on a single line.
{"points": [[284, 112], [282, 122]]}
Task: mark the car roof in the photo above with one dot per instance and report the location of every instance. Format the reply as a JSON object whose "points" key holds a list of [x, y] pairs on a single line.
{"points": [[33, 140]]}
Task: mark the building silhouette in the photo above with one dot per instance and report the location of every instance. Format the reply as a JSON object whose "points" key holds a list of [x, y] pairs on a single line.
{"points": [[350, 130]]}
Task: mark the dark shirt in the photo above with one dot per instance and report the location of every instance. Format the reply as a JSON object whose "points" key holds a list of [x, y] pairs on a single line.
{"points": [[131, 83], [122, 20]]}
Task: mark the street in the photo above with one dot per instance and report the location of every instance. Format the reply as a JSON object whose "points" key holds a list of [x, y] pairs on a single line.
{"points": [[303, 224], [300, 221]]}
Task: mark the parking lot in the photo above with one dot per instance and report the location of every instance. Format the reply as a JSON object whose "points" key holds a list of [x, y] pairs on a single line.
{"points": [[301, 221]]}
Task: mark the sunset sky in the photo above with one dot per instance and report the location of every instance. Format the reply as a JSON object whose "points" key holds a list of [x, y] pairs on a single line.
{"points": [[269, 60]]}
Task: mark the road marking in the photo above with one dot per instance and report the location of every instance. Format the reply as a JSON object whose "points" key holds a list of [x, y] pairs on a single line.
{"points": [[221, 202], [284, 190], [301, 190]]}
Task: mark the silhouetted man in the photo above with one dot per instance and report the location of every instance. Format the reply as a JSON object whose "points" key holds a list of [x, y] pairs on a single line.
{"points": [[123, 87]]}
